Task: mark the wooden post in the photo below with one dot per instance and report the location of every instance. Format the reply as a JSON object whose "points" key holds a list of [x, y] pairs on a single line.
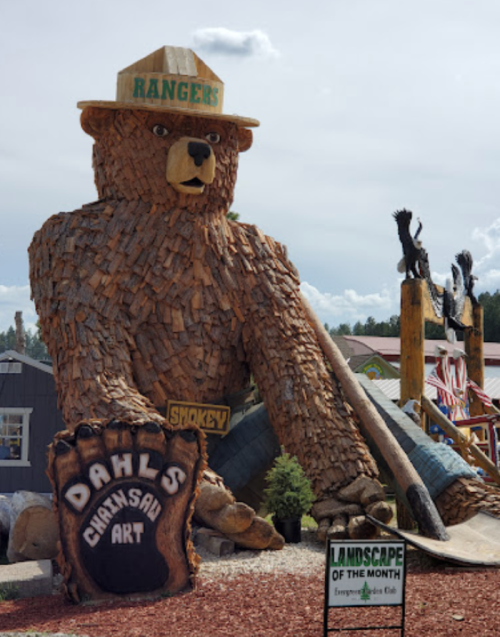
{"points": [[411, 363], [412, 341], [475, 358]]}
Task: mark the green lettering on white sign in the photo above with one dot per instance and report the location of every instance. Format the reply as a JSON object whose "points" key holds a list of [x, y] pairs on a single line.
{"points": [[168, 88], [207, 94], [193, 96], [153, 89], [138, 87], [182, 91], [215, 97]]}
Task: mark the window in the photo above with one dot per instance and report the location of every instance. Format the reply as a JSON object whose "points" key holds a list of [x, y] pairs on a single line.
{"points": [[14, 436], [11, 367]]}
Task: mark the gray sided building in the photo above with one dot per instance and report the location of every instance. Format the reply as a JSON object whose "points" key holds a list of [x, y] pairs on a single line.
{"points": [[29, 418]]}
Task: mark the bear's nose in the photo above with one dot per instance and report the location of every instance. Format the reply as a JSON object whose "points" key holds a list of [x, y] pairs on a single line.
{"points": [[199, 151]]}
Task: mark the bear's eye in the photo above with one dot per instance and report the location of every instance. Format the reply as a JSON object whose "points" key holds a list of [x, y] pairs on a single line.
{"points": [[159, 130], [213, 138]]}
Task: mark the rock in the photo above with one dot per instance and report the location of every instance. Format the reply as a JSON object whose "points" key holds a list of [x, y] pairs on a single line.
{"points": [[380, 511], [214, 542], [332, 508], [231, 518], [338, 528], [363, 491], [323, 527], [217, 508], [212, 497], [277, 542], [260, 535], [359, 528]]}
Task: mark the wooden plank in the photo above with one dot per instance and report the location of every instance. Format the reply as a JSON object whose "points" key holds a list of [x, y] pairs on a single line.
{"points": [[474, 348], [412, 358]]}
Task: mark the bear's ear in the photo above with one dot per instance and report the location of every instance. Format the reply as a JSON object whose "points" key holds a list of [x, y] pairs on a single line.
{"points": [[96, 121], [245, 139]]}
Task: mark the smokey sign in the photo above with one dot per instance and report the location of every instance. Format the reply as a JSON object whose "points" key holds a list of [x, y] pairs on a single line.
{"points": [[365, 573]]}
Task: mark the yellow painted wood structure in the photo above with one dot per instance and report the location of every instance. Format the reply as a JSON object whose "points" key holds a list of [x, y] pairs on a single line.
{"points": [[475, 358], [416, 309]]}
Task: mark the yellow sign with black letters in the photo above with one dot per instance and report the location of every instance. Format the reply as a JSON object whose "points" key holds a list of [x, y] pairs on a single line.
{"points": [[212, 419]]}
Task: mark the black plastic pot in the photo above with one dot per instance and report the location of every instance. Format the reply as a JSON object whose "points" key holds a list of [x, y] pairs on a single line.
{"points": [[289, 528]]}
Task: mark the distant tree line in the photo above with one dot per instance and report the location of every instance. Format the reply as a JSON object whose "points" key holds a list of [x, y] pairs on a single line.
{"points": [[35, 347], [391, 327], [491, 308]]}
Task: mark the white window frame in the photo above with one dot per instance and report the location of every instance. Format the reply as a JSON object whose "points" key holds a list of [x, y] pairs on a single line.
{"points": [[11, 367], [25, 412]]}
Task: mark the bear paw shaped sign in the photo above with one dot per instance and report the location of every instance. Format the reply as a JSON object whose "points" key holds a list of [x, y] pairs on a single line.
{"points": [[122, 496]]}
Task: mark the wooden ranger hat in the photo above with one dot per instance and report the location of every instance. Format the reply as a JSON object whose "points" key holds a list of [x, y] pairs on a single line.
{"points": [[171, 79]]}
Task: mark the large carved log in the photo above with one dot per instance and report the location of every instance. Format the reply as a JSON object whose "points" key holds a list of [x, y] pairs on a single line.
{"points": [[32, 528], [4, 515]]}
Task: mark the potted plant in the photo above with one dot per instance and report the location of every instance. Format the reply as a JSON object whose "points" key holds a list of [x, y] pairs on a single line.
{"points": [[288, 496]]}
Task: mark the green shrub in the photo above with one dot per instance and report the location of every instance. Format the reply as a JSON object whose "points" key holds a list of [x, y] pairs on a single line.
{"points": [[289, 492]]}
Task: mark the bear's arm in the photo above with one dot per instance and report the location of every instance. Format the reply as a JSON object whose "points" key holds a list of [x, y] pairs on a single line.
{"points": [[84, 330], [305, 403]]}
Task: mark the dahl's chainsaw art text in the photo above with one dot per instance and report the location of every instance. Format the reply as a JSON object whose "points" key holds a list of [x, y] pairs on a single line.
{"points": [[123, 466]]}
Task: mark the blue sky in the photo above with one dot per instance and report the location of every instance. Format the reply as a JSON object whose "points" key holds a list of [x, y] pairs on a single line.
{"points": [[366, 106]]}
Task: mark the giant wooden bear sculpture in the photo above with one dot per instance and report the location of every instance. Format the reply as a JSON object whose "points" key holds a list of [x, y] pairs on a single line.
{"points": [[151, 294]]}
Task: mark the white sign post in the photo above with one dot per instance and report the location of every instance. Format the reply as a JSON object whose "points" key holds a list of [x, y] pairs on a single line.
{"points": [[364, 573]]}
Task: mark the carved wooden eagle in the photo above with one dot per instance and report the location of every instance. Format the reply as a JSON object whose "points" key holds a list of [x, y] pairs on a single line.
{"points": [[465, 261], [412, 246]]}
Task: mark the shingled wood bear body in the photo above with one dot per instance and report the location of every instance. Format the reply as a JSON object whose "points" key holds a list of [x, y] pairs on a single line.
{"points": [[157, 295], [152, 294]]}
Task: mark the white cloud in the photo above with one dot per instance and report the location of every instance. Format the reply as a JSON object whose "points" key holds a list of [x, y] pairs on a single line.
{"points": [[489, 237], [223, 41], [487, 240], [486, 267], [350, 306], [489, 281], [16, 298]]}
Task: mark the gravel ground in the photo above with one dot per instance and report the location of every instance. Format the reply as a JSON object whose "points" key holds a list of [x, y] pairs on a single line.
{"points": [[301, 559]]}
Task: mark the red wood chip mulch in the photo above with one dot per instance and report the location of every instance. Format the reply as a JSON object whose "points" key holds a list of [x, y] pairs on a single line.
{"points": [[439, 601]]}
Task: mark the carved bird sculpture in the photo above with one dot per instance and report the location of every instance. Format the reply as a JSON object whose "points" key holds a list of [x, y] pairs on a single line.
{"points": [[412, 246], [465, 261], [452, 310]]}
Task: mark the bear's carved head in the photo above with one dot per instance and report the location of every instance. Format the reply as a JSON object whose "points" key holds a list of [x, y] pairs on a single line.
{"points": [[171, 160]]}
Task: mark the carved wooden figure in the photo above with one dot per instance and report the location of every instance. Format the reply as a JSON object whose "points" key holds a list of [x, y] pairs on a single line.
{"points": [[150, 294]]}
